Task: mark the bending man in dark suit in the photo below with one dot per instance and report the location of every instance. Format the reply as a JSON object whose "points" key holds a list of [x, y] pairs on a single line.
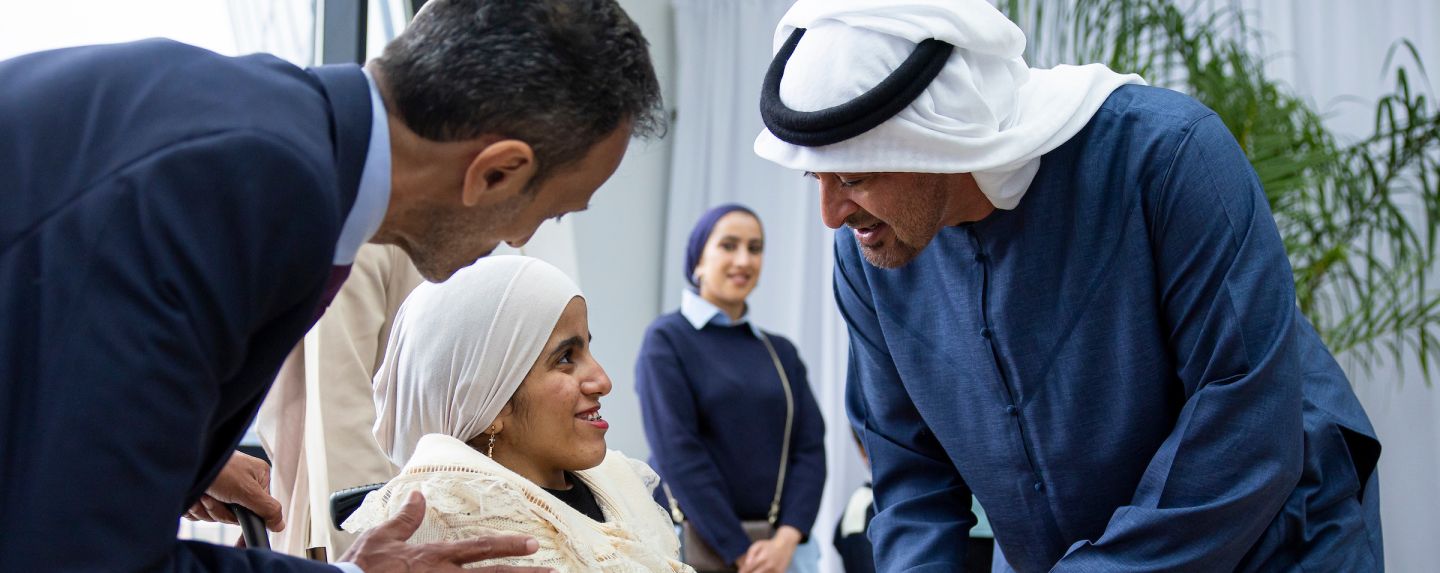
{"points": [[173, 222]]}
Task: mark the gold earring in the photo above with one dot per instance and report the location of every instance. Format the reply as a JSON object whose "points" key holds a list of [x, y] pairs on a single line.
{"points": [[490, 449]]}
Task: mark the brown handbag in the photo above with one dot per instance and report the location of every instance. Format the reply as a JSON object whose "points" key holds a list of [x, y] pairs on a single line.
{"points": [[694, 551]]}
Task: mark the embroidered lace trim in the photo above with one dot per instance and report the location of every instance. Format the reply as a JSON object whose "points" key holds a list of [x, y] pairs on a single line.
{"points": [[473, 498]]}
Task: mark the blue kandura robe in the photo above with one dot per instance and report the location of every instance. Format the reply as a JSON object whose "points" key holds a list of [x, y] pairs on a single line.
{"points": [[1116, 368]]}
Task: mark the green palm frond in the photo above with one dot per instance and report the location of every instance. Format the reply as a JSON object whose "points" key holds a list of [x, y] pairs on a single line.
{"points": [[1359, 220]]}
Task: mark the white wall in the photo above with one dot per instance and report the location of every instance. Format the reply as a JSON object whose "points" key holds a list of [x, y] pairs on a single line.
{"points": [[619, 245]]}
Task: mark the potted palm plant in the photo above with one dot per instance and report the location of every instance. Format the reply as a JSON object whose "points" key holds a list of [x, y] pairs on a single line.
{"points": [[1359, 219]]}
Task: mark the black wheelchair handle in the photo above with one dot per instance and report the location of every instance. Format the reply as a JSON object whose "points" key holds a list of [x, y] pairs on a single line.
{"points": [[251, 526]]}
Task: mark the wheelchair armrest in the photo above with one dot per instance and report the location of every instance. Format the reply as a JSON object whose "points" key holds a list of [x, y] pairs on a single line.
{"points": [[346, 501]]}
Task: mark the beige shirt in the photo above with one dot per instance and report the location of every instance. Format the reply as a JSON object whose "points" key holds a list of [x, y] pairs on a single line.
{"points": [[316, 424], [469, 495]]}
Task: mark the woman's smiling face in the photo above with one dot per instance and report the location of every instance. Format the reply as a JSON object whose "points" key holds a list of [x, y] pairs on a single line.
{"points": [[552, 424], [729, 267]]}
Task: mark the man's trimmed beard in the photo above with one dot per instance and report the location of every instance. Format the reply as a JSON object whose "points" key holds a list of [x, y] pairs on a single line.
{"points": [[913, 226], [892, 255]]}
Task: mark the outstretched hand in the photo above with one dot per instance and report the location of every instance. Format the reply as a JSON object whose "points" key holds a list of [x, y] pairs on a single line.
{"points": [[383, 549]]}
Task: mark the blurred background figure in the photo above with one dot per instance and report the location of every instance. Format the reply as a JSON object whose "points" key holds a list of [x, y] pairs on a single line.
{"points": [[719, 399]]}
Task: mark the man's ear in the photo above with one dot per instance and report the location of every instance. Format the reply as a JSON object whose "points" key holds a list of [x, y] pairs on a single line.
{"points": [[500, 170]]}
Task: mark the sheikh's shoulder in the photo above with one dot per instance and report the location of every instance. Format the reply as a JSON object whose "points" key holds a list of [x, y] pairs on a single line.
{"points": [[1152, 108]]}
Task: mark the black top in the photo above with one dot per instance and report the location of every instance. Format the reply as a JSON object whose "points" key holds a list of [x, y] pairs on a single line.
{"points": [[579, 497]]}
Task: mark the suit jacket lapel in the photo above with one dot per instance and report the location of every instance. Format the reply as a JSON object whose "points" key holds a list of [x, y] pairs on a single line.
{"points": [[349, 95]]}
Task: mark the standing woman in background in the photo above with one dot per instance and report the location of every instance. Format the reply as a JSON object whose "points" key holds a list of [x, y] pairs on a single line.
{"points": [[734, 430]]}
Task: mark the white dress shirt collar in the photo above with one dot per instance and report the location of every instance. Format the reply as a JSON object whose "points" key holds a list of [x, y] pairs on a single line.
{"points": [[373, 197], [699, 312]]}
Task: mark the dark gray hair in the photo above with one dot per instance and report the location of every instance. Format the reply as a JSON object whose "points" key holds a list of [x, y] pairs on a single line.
{"points": [[559, 75]]}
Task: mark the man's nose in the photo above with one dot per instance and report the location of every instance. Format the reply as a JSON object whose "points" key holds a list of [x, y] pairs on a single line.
{"points": [[835, 203]]}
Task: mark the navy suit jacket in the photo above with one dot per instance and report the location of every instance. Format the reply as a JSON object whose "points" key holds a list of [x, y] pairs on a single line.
{"points": [[168, 218]]}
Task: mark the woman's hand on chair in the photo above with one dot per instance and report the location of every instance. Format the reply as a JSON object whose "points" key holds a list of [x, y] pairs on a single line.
{"points": [[383, 549], [771, 555]]}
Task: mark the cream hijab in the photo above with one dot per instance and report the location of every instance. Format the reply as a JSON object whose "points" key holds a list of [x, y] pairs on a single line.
{"points": [[460, 349], [986, 113]]}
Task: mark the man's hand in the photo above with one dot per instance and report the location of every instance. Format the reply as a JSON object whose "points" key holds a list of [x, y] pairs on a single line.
{"points": [[245, 480], [383, 549], [771, 555]]}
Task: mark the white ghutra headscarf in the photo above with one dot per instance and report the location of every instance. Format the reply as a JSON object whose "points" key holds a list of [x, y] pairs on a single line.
{"points": [[460, 349], [986, 113]]}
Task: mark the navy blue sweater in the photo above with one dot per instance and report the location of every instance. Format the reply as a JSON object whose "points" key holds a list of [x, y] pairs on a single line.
{"points": [[714, 414]]}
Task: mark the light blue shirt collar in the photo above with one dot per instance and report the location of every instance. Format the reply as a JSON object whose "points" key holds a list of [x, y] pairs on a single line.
{"points": [[699, 312], [373, 197]]}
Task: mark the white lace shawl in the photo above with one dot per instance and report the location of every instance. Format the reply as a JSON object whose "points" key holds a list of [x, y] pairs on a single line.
{"points": [[469, 495]]}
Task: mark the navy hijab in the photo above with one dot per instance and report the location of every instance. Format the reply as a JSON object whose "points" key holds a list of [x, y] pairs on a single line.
{"points": [[701, 234]]}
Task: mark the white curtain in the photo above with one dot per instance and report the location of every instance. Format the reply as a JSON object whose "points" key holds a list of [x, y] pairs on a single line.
{"points": [[1332, 52], [722, 50], [1329, 51]]}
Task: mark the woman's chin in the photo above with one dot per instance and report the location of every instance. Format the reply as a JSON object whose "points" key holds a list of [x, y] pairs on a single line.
{"points": [[590, 459], [592, 450]]}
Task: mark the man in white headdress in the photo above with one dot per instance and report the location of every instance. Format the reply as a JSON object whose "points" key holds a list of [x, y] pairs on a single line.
{"points": [[1065, 294]]}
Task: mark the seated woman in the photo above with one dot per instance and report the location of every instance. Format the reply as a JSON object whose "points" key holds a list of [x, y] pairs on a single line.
{"points": [[489, 400]]}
